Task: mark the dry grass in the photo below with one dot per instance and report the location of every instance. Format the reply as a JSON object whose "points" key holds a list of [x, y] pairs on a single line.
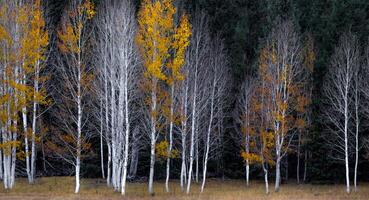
{"points": [[60, 188]]}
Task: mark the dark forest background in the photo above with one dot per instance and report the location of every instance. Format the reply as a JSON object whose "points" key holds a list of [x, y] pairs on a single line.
{"points": [[244, 24]]}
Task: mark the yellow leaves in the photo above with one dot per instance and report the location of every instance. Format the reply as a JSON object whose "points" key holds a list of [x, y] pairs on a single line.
{"points": [[162, 152], [89, 8], [6, 146], [36, 37], [179, 44], [70, 34], [162, 46], [68, 39], [161, 149], [250, 157], [4, 35], [157, 37]]}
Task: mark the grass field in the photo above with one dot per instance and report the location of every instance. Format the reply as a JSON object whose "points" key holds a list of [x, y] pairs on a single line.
{"points": [[60, 188]]}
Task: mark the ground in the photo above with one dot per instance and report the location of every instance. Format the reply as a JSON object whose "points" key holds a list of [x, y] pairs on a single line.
{"points": [[61, 188]]}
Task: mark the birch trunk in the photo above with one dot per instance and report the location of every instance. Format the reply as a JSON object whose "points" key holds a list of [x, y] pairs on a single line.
{"points": [[346, 137], [184, 134], [193, 125], [127, 131], [79, 133], [170, 137], [153, 137], [208, 134], [357, 129]]}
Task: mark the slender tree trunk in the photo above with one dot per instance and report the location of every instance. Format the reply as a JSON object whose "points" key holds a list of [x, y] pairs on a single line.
{"points": [[34, 122], [127, 131], [346, 139], [78, 159], [247, 160], [193, 125], [25, 130], [153, 138], [170, 137], [277, 174], [278, 164], [247, 172], [184, 134], [265, 178], [101, 139], [79, 131], [208, 137], [197, 153], [357, 132]]}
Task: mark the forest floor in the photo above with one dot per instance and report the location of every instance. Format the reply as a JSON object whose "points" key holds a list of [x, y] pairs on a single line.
{"points": [[61, 188]]}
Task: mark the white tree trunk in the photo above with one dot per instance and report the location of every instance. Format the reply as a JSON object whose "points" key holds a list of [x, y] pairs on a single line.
{"points": [[277, 174], [152, 165], [25, 130], [153, 138], [247, 160], [79, 133], [357, 130], [266, 178], [127, 131], [101, 139], [193, 126], [346, 138], [208, 134], [170, 138], [34, 122]]}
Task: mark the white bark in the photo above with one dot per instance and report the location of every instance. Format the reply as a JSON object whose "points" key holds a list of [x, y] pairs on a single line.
{"points": [[284, 71], [338, 91], [117, 60], [195, 61], [170, 136], [153, 137]]}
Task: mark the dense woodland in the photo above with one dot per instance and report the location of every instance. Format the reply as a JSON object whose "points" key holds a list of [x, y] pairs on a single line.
{"points": [[183, 90]]}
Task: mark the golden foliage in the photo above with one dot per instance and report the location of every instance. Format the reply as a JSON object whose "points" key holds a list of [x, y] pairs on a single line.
{"points": [[162, 152]]}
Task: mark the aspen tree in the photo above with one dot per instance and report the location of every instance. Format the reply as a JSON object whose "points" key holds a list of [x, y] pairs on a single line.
{"points": [[338, 88], [33, 48], [156, 39], [73, 44]]}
